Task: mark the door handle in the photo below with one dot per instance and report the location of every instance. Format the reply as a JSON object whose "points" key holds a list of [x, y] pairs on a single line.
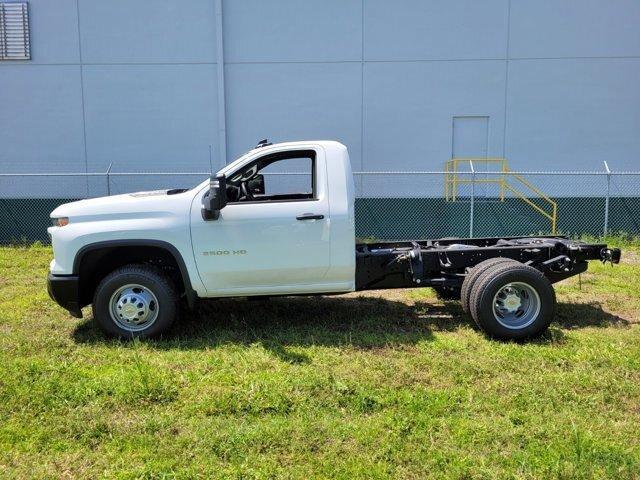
{"points": [[309, 216]]}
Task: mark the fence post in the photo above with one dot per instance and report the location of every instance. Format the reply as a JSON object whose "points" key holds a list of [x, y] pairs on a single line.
{"points": [[108, 181], [473, 197], [606, 201], [503, 169]]}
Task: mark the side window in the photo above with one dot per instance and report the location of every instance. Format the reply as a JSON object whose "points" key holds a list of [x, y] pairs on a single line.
{"points": [[283, 176], [289, 176]]}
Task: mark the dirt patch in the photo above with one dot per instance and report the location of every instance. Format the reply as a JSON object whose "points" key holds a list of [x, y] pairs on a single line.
{"points": [[630, 257]]}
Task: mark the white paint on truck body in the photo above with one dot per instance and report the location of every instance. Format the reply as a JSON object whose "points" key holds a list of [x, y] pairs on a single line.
{"points": [[253, 248]]}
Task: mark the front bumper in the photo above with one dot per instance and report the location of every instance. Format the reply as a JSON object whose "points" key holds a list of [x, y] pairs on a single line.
{"points": [[65, 291]]}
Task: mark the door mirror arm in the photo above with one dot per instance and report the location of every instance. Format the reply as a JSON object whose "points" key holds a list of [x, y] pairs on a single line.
{"points": [[216, 197]]}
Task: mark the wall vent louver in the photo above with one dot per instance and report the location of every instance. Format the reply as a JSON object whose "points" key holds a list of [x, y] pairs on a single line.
{"points": [[14, 31]]}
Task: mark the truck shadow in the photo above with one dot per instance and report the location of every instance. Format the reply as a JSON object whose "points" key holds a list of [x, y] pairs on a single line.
{"points": [[591, 314], [355, 322]]}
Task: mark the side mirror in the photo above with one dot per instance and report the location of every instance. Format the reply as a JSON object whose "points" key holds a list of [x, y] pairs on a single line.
{"points": [[216, 198]]}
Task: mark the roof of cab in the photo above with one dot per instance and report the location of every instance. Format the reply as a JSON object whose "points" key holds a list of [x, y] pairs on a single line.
{"points": [[326, 144]]}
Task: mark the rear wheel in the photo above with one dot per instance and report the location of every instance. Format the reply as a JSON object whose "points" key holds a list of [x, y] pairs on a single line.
{"points": [[135, 301], [512, 302], [474, 274]]}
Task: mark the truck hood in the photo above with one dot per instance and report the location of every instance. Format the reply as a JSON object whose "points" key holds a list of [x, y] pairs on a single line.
{"points": [[154, 203]]}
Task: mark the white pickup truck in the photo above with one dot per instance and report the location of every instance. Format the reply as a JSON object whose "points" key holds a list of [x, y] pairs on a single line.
{"points": [[280, 221]]}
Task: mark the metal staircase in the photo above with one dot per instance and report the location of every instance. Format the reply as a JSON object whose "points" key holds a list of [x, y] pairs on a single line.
{"points": [[506, 180]]}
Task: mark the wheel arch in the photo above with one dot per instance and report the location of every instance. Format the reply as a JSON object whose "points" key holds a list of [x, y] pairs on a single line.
{"points": [[90, 260]]}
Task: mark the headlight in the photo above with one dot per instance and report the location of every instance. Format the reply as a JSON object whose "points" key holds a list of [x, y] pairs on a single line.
{"points": [[60, 221]]}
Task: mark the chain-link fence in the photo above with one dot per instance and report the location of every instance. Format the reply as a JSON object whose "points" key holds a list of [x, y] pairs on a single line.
{"points": [[491, 203], [388, 205]]}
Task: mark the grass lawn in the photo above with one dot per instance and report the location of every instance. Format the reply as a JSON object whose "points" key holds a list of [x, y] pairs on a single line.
{"points": [[388, 384]]}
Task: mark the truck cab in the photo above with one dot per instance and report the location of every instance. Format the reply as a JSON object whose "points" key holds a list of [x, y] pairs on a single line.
{"points": [[287, 227], [280, 221]]}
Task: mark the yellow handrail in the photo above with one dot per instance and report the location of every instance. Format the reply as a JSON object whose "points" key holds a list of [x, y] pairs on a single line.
{"points": [[452, 181], [523, 197], [554, 205], [536, 190]]}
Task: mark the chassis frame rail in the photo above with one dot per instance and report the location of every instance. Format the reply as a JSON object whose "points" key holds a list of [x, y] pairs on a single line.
{"points": [[446, 262]]}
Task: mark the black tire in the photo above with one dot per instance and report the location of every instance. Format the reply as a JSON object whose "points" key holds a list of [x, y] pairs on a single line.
{"points": [[153, 280], [472, 276], [537, 296], [447, 293]]}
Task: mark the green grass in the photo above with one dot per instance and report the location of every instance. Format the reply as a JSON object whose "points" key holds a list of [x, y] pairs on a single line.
{"points": [[393, 384]]}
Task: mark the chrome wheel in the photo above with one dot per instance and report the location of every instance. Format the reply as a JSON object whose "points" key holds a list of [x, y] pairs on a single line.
{"points": [[133, 307], [516, 305]]}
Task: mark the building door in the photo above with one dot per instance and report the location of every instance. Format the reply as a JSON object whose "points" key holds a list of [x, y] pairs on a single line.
{"points": [[470, 140]]}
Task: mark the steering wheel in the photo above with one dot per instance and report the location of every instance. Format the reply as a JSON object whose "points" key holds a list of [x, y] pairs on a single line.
{"points": [[246, 191]]}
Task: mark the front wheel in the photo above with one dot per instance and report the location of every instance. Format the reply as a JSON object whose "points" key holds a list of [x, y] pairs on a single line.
{"points": [[512, 301], [135, 301]]}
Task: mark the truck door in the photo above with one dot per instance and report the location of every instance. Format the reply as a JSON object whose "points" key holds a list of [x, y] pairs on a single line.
{"points": [[273, 236]]}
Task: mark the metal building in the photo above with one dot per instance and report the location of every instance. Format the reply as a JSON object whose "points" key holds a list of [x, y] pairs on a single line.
{"points": [[149, 85]]}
